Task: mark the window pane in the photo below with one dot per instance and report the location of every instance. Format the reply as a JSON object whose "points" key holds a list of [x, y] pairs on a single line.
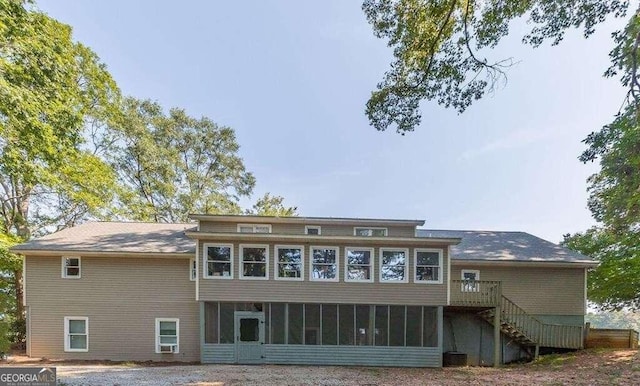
{"points": [[255, 269], [427, 273], [261, 229], [295, 323], [313, 231], [382, 313], [396, 325], [312, 324], [246, 229], [363, 328], [210, 322], [277, 323], [168, 340], [346, 324], [249, 330], [226, 322], [254, 254], [324, 256], [73, 271], [358, 272], [219, 253], [414, 326], [78, 342], [72, 262], [430, 327], [77, 327], [218, 269], [329, 324], [324, 271], [358, 257], [428, 258], [168, 328]]}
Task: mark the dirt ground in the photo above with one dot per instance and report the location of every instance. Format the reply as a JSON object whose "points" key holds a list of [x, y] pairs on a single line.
{"points": [[589, 367]]}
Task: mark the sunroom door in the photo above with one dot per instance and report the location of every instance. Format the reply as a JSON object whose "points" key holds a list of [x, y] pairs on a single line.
{"points": [[249, 337]]}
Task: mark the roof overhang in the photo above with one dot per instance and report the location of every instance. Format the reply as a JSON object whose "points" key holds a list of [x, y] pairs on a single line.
{"points": [[89, 253], [305, 220], [322, 240], [529, 263]]}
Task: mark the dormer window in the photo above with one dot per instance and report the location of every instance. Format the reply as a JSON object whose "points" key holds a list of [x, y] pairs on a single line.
{"points": [[313, 230], [369, 232], [254, 228]]}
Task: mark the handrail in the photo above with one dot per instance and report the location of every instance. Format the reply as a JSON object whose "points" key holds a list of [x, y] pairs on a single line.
{"points": [[476, 293]]}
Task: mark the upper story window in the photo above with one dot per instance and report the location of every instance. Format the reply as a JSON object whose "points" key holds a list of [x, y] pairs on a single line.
{"points": [[254, 228], [393, 265], [324, 264], [359, 264], [369, 232], [289, 262], [71, 267], [254, 262], [313, 230], [218, 261], [428, 266]]}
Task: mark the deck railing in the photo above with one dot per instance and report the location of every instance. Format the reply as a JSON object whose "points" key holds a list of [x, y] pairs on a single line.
{"points": [[475, 293]]}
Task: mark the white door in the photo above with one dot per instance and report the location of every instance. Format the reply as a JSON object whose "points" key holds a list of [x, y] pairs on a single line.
{"points": [[249, 337]]}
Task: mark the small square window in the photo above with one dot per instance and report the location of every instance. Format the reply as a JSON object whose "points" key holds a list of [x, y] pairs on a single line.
{"points": [[254, 228], [370, 232], [71, 267], [313, 230]]}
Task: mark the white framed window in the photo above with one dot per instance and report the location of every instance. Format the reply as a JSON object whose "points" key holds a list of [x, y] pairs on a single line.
{"points": [[167, 335], [358, 265], [254, 228], [76, 334], [393, 265], [369, 231], [218, 261], [71, 267], [324, 263], [428, 265], [313, 230], [470, 278], [254, 262], [193, 269], [289, 260]]}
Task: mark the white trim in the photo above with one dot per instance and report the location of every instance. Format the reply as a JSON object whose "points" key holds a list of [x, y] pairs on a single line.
{"points": [[277, 263], [355, 231], [337, 263], [64, 267], [205, 266], [254, 226], [406, 264], [318, 227], [24, 281], [193, 274], [197, 269], [440, 266], [448, 274], [241, 261], [67, 343], [177, 321], [371, 264]]}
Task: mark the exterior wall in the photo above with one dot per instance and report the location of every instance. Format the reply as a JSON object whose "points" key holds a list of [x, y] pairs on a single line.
{"points": [[122, 297], [306, 291], [548, 292], [299, 229]]}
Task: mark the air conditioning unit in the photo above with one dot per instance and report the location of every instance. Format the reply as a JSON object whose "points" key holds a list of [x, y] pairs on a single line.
{"points": [[168, 348]]}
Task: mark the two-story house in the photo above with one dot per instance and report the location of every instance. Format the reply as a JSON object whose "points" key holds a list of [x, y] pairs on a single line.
{"points": [[304, 290]]}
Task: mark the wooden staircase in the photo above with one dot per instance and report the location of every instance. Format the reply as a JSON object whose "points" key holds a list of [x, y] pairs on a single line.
{"points": [[528, 331]]}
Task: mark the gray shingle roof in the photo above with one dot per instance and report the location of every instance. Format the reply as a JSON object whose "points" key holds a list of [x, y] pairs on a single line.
{"points": [[132, 237], [505, 246]]}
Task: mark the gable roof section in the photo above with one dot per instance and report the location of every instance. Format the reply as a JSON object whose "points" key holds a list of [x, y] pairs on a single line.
{"points": [[117, 237], [505, 247]]}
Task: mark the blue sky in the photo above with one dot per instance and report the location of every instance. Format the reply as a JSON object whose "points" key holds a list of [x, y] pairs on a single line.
{"points": [[292, 79]]}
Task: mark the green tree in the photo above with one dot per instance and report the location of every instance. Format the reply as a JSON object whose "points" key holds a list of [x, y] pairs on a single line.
{"points": [[269, 205], [172, 164], [439, 48], [51, 89]]}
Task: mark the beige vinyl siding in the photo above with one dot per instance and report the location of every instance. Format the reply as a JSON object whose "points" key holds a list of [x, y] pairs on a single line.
{"points": [[538, 290], [122, 297], [299, 229], [272, 290]]}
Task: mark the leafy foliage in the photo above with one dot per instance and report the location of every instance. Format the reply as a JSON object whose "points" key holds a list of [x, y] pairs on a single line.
{"points": [[439, 48], [269, 205]]}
